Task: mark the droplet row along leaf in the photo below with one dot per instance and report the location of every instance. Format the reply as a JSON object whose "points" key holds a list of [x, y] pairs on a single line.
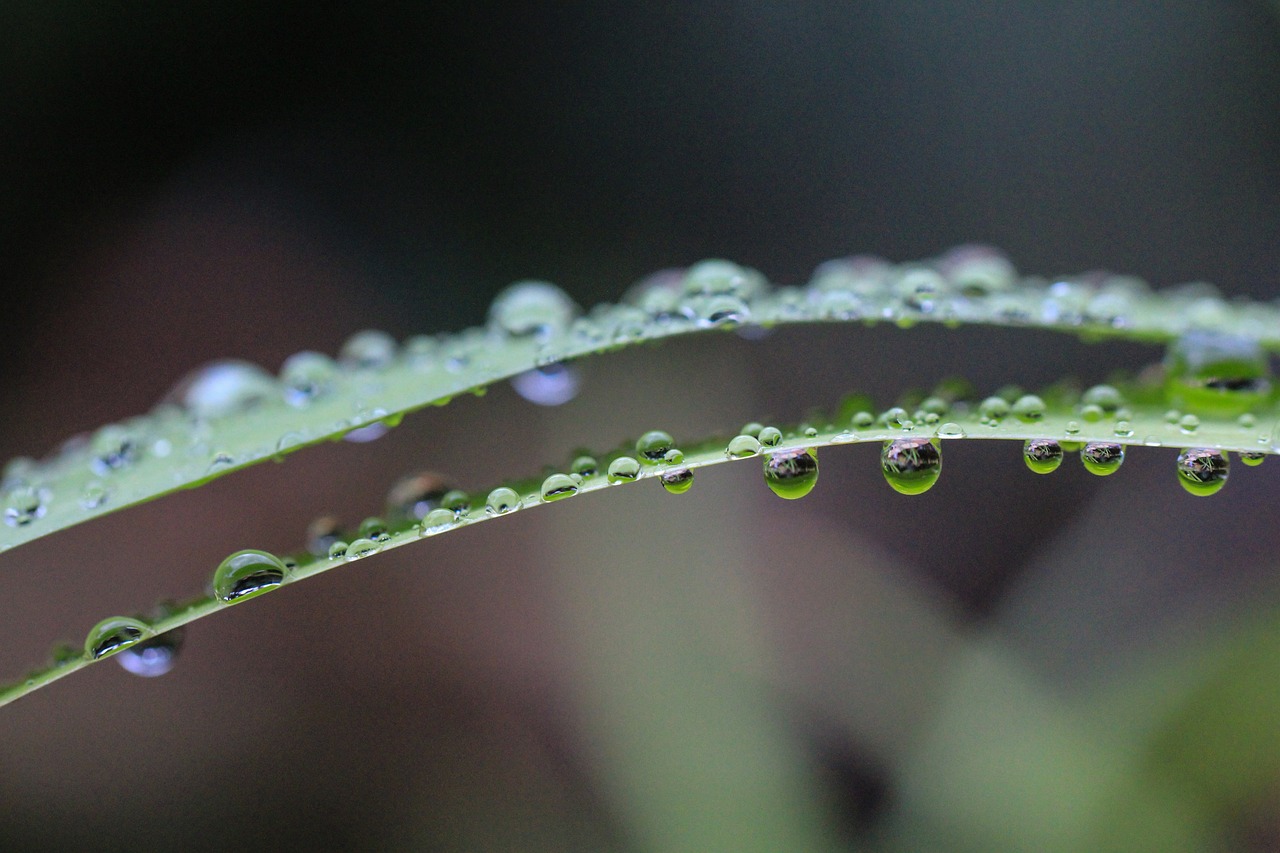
{"points": [[911, 438], [235, 414]]}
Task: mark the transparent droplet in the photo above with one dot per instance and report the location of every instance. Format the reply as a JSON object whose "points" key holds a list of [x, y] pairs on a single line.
{"points": [[415, 496], [584, 466], [677, 481], [23, 505], [536, 309], [623, 469], [222, 388], [791, 474], [1106, 397], [950, 429], [1252, 459], [863, 420], [994, 409], [366, 434], [112, 447], [437, 521], [1102, 457], [361, 548], [752, 429], [1029, 408], [307, 376], [653, 445], [976, 270], [719, 278], [1217, 374], [501, 501], [1042, 455], [770, 436], [338, 549], [742, 446], [911, 465], [549, 385], [247, 573], [115, 634], [373, 528], [368, 350], [1202, 471], [94, 496], [153, 657], [457, 501], [557, 487], [674, 456]]}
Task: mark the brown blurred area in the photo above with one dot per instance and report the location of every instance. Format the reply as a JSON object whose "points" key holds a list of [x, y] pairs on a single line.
{"points": [[981, 667]]}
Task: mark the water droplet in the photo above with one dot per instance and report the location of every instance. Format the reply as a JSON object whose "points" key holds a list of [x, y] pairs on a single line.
{"points": [[94, 496], [791, 474], [361, 548], [653, 445], [742, 446], [536, 309], [338, 549], [456, 500], [373, 528], [770, 436], [321, 534], [1217, 374], [911, 465], [153, 657], [438, 521], [1202, 471], [752, 429], [549, 385], [993, 410], [810, 432], [1123, 429], [501, 501], [113, 447], [22, 506], [950, 430], [1042, 455], [557, 487], [678, 481], [1189, 424], [977, 270], [368, 350], [1106, 397], [115, 634], [366, 434], [1091, 413], [415, 496], [1247, 421], [1073, 427], [222, 388], [584, 466], [719, 278], [674, 456], [863, 420], [1029, 408], [307, 376], [247, 573], [1252, 459], [1102, 457], [623, 469]]}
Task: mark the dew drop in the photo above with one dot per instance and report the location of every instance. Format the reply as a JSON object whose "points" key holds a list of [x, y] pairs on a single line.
{"points": [[23, 505], [307, 376], [247, 573], [536, 309], [361, 548], [584, 466], [1123, 429], [549, 385], [501, 501], [438, 521], [719, 278], [770, 436], [368, 350], [994, 410], [678, 481], [558, 487], [1189, 423], [1102, 457], [113, 447], [977, 270], [863, 420], [115, 634], [1029, 408], [674, 456], [623, 469], [373, 528], [951, 430], [94, 496], [338, 549], [911, 465], [742, 446], [222, 388], [1106, 397], [1202, 471], [1042, 455], [1217, 374], [415, 496], [1073, 427], [1252, 459], [752, 429], [457, 501], [366, 434], [153, 657], [791, 474], [653, 445]]}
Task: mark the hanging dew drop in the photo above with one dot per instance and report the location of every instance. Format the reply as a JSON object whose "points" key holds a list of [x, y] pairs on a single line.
{"points": [[153, 657], [742, 446], [1102, 457], [246, 574], [1202, 471], [911, 465], [558, 487], [654, 445], [501, 501], [677, 482], [1252, 459], [623, 469], [791, 474], [549, 385], [1042, 455], [113, 635]]}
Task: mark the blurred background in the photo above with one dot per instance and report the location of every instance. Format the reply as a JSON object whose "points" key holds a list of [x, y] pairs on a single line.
{"points": [[1004, 663]]}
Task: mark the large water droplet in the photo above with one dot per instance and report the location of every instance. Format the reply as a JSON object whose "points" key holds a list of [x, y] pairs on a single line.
{"points": [[247, 573], [1202, 471], [742, 446], [791, 474], [438, 521], [1102, 457], [1029, 408], [654, 445], [550, 385], [558, 487], [677, 481], [1042, 455], [501, 501], [623, 469], [537, 309], [1218, 374], [911, 465], [770, 436], [361, 548], [152, 657], [414, 497], [307, 376], [115, 634]]}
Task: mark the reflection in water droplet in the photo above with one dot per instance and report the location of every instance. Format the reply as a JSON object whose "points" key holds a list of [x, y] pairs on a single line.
{"points": [[950, 430], [550, 385], [113, 447], [623, 469], [1202, 471], [246, 574], [678, 481], [1102, 457], [742, 446], [153, 657], [557, 487], [338, 549], [791, 474], [770, 436], [1042, 455], [501, 501], [911, 465], [114, 634]]}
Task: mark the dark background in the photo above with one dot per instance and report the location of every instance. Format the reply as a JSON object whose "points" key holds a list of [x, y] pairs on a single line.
{"points": [[251, 179]]}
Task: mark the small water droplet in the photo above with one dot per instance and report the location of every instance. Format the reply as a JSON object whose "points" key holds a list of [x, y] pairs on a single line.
{"points": [[674, 456], [742, 446], [911, 465], [791, 474], [321, 534], [153, 657], [1123, 429], [1042, 455], [1029, 408], [653, 445], [1252, 459], [438, 521], [415, 496], [502, 501], [361, 548], [623, 469], [770, 436], [752, 429], [811, 432], [1189, 424], [1202, 471], [1102, 457], [1247, 421], [536, 309], [366, 434], [549, 385], [719, 278], [246, 574], [950, 429], [584, 466], [369, 349], [94, 496], [1073, 427], [678, 481], [456, 500], [115, 634], [23, 505], [863, 420], [307, 376], [558, 487], [338, 549]]}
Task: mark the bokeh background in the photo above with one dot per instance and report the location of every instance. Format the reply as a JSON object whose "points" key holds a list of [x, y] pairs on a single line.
{"points": [[1004, 663]]}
